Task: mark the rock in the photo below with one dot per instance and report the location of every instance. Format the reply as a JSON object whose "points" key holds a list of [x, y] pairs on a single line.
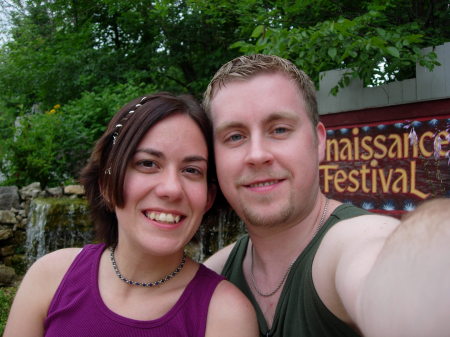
{"points": [[7, 217], [193, 250], [74, 189], [9, 197], [7, 250], [6, 233], [20, 237], [7, 275], [18, 262], [55, 191], [31, 191]]}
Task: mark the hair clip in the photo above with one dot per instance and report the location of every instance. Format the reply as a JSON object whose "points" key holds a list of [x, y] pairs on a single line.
{"points": [[108, 170], [124, 119]]}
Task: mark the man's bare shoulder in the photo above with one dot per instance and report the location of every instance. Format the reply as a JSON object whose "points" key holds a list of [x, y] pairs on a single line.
{"points": [[363, 225], [354, 234], [217, 261], [345, 256]]}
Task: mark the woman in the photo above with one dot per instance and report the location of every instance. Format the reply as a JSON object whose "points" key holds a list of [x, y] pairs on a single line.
{"points": [[147, 185]]}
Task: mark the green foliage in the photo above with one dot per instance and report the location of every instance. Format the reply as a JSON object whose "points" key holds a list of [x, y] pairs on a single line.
{"points": [[94, 109], [53, 147], [6, 298], [39, 150], [60, 50], [359, 45], [6, 123], [91, 57]]}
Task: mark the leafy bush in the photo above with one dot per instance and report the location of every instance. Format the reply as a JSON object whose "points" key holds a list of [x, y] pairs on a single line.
{"points": [[52, 147], [38, 150], [6, 298], [95, 109]]}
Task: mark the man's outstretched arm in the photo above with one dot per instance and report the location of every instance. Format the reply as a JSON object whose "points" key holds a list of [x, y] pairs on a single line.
{"points": [[407, 291]]}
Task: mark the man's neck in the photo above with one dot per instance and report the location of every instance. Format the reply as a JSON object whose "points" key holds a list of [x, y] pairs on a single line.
{"points": [[274, 250]]}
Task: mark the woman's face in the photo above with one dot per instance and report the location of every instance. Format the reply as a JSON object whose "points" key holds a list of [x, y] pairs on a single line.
{"points": [[165, 188]]}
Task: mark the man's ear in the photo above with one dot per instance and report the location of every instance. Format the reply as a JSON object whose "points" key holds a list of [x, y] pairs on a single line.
{"points": [[321, 136], [212, 192]]}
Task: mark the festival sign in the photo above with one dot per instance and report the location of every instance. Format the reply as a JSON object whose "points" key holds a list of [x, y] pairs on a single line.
{"points": [[388, 167]]}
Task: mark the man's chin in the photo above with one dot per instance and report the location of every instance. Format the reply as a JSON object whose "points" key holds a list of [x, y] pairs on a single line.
{"points": [[265, 218]]}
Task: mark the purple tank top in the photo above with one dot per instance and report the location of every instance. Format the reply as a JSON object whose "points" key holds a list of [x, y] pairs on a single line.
{"points": [[78, 310]]}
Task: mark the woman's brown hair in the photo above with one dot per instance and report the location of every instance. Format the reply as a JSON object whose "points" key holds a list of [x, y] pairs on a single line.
{"points": [[103, 176]]}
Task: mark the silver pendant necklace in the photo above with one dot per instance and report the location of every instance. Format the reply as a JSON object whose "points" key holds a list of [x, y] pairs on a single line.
{"points": [[252, 276], [145, 284]]}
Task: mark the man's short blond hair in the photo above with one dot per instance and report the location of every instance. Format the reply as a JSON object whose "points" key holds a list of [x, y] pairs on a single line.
{"points": [[247, 66]]}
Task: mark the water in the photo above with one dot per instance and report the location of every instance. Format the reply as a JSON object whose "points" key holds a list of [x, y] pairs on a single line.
{"points": [[54, 224], [35, 243]]}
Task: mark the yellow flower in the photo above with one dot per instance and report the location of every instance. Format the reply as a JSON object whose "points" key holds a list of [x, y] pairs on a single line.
{"points": [[57, 106], [52, 111]]}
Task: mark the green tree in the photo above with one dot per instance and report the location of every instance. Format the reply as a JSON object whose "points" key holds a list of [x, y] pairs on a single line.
{"points": [[358, 36], [90, 57], [53, 147], [60, 49]]}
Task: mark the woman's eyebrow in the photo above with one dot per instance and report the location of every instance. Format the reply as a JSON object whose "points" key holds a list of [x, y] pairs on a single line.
{"points": [[194, 158], [159, 154], [152, 152]]}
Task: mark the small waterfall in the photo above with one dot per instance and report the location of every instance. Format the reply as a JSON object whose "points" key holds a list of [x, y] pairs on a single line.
{"points": [[56, 223], [35, 243]]}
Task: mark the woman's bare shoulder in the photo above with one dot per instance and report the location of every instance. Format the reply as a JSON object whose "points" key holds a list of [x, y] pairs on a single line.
{"points": [[36, 291], [231, 313]]}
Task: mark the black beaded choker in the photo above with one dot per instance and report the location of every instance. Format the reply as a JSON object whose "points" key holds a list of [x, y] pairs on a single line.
{"points": [[145, 284]]}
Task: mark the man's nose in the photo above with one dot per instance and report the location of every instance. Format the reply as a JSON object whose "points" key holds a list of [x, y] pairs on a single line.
{"points": [[259, 152]]}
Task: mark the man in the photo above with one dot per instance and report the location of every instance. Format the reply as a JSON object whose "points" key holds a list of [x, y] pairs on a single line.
{"points": [[313, 266]]}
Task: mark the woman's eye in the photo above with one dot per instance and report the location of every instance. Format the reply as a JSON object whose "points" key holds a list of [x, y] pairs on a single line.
{"points": [[146, 163], [193, 170]]}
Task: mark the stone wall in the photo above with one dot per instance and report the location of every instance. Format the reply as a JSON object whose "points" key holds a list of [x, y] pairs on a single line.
{"points": [[14, 211]]}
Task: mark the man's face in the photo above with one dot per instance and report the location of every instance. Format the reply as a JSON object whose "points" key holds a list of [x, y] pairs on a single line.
{"points": [[267, 152]]}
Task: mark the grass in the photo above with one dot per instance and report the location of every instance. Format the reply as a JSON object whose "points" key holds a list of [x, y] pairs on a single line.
{"points": [[6, 298]]}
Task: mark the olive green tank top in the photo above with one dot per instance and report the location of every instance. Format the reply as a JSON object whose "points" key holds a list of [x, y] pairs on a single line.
{"points": [[299, 312]]}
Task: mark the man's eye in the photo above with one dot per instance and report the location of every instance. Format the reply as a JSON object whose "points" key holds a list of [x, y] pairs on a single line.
{"points": [[235, 137], [280, 130]]}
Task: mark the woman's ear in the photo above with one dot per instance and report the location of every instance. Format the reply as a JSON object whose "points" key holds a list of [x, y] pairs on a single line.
{"points": [[212, 192], [108, 204]]}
